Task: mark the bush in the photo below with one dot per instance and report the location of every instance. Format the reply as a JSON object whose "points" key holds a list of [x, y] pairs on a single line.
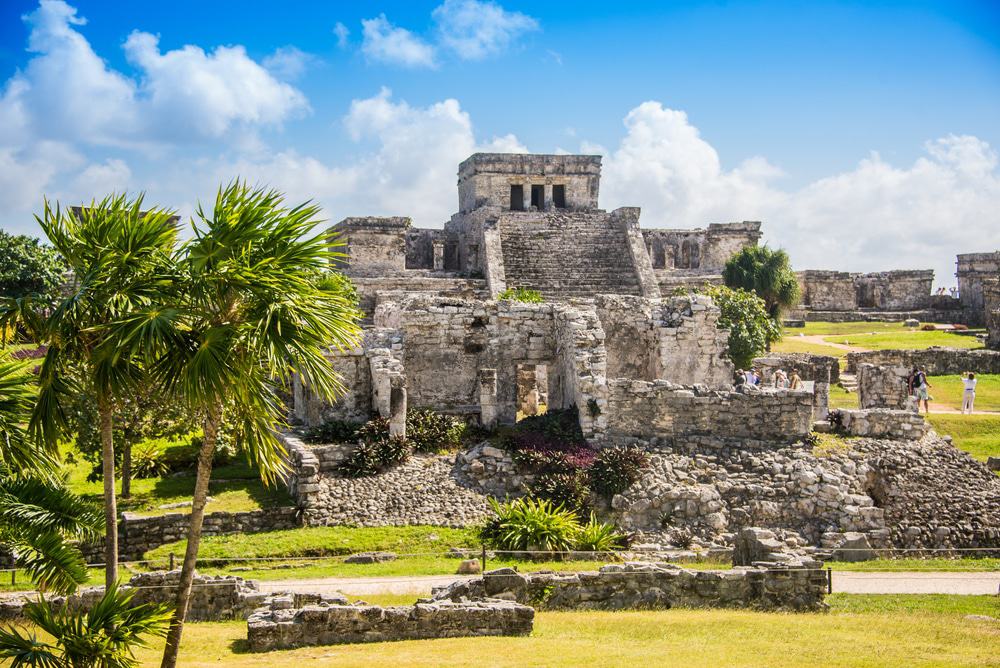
{"points": [[148, 460], [526, 295], [427, 431], [928, 328], [376, 451], [960, 328], [530, 525], [554, 428], [615, 469], [745, 315], [597, 536], [567, 489], [332, 431]]}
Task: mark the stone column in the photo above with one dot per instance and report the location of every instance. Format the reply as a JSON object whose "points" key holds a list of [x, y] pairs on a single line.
{"points": [[397, 407], [488, 410], [438, 247]]}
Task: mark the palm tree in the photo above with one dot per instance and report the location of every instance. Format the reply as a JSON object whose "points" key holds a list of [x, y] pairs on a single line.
{"points": [[39, 520], [768, 273], [121, 257], [249, 313], [103, 637]]}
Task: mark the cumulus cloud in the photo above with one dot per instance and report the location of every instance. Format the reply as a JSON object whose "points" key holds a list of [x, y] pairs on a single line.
{"points": [[876, 216], [68, 93], [342, 33], [383, 42], [474, 30], [288, 62]]}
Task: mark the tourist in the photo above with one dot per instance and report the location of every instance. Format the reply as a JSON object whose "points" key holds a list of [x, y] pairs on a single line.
{"points": [[780, 379], [954, 293], [919, 386], [740, 379], [795, 382], [969, 395]]}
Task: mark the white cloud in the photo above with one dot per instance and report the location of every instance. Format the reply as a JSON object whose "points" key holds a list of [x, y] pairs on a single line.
{"points": [[288, 62], [386, 43], [874, 217], [474, 30], [342, 33], [68, 93]]}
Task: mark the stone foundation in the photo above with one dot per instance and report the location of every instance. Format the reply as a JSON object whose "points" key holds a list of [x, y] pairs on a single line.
{"points": [[884, 423], [884, 387], [330, 624], [649, 586]]}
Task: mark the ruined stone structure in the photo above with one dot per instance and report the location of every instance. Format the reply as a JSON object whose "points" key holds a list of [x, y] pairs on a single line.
{"points": [[936, 361], [533, 221], [991, 297], [973, 271]]}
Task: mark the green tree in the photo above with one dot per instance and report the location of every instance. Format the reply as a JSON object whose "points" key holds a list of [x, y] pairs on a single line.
{"points": [[39, 520], [249, 313], [103, 637], [121, 257], [28, 267], [766, 272], [745, 315]]}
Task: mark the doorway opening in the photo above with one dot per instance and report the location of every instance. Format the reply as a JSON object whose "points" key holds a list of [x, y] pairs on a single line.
{"points": [[532, 390]]}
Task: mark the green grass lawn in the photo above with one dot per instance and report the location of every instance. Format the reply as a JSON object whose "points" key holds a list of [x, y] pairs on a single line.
{"points": [[841, 398], [948, 390], [791, 344], [235, 487], [979, 435], [861, 631], [906, 340]]}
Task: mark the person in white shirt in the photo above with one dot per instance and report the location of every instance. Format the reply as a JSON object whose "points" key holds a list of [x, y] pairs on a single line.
{"points": [[969, 396]]}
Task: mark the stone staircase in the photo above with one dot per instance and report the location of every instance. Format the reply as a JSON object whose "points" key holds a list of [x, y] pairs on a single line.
{"points": [[565, 255]]}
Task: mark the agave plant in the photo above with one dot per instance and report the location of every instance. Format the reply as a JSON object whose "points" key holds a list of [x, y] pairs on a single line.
{"points": [[104, 637]]}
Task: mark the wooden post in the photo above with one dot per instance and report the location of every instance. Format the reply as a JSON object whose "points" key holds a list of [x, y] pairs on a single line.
{"points": [[171, 562], [829, 581]]}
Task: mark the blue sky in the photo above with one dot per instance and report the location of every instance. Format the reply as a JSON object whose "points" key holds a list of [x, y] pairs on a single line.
{"points": [[863, 134]]}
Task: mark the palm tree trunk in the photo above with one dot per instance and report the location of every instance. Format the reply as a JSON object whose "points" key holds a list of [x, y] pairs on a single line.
{"points": [[110, 504], [127, 470], [211, 428]]}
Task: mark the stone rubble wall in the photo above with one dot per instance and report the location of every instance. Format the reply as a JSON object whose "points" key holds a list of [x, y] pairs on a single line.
{"points": [[660, 409], [884, 387], [817, 370], [951, 312], [991, 296], [973, 270], [708, 249], [898, 425], [138, 534], [213, 598], [937, 361], [331, 624], [887, 290], [650, 586]]}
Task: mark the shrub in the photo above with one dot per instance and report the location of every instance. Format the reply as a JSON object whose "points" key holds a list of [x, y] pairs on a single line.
{"points": [[332, 431], [597, 536], [567, 489], [615, 469], [529, 524], [526, 295], [376, 451], [928, 328], [148, 460], [751, 328], [427, 431], [960, 328], [556, 428]]}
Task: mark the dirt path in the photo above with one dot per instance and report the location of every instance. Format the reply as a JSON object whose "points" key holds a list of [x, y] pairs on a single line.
{"points": [[843, 582], [820, 340]]}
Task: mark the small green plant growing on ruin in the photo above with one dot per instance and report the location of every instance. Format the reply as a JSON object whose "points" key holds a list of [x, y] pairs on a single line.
{"points": [[376, 451], [526, 295], [429, 431], [745, 315], [332, 431], [596, 536], [616, 469], [593, 408]]}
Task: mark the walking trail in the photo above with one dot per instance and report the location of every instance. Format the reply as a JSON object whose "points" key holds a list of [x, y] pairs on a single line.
{"points": [[846, 582]]}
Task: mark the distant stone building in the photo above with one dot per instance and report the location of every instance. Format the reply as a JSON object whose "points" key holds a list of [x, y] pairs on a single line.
{"points": [[973, 271]]}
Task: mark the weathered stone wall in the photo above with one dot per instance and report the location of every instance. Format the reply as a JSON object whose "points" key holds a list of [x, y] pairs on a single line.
{"points": [[213, 598], [485, 179], [138, 534], [375, 246], [650, 586], [331, 624], [705, 249], [816, 370], [355, 405], [937, 361], [431, 249], [413, 280], [901, 425], [973, 269], [991, 295], [884, 387], [661, 409], [887, 290]]}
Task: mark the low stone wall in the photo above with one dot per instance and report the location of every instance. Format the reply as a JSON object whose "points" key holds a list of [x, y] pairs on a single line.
{"points": [[657, 409], [650, 586], [884, 423], [331, 624], [937, 361], [213, 598], [946, 316], [138, 534], [818, 368], [884, 387]]}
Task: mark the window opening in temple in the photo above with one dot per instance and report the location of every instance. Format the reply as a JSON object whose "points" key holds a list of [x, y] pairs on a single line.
{"points": [[532, 390], [538, 197], [559, 196], [517, 198]]}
